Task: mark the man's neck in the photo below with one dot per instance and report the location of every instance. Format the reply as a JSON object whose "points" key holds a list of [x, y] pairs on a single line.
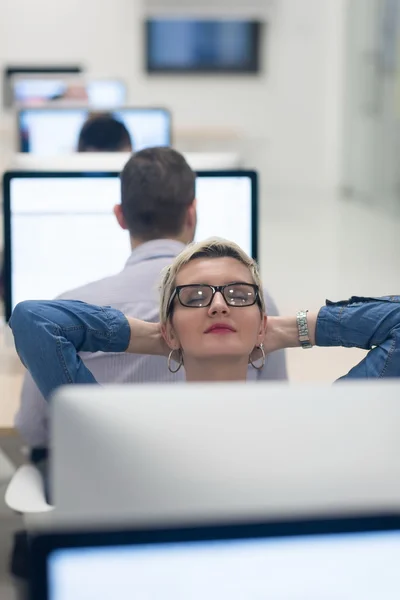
{"points": [[136, 242]]}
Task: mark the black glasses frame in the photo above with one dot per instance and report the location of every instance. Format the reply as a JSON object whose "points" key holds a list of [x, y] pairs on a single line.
{"points": [[214, 289]]}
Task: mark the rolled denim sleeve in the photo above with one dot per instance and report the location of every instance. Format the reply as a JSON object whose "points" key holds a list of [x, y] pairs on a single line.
{"points": [[369, 323], [49, 334]]}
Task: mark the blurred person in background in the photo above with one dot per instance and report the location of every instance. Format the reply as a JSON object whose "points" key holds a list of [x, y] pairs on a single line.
{"points": [[104, 133], [73, 93]]}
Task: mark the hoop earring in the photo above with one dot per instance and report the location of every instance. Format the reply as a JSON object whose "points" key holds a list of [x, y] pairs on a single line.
{"points": [[180, 363], [258, 368]]}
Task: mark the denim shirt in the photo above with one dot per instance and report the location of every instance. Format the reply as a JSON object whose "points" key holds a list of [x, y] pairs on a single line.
{"points": [[49, 334]]}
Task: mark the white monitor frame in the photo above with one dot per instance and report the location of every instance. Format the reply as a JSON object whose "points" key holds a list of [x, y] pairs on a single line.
{"points": [[223, 452]]}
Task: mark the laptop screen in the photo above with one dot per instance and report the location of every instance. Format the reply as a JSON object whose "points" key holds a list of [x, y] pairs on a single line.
{"points": [[43, 212], [323, 566], [52, 131]]}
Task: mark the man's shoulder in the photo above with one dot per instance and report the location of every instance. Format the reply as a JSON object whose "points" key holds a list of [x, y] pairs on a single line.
{"points": [[135, 284], [138, 280], [88, 291]]}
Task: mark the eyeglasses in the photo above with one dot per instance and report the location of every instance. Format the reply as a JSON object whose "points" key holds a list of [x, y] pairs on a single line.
{"points": [[199, 295]]}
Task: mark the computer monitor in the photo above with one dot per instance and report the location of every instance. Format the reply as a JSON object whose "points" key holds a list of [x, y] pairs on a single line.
{"points": [[43, 211], [40, 90], [202, 45], [12, 71], [51, 130], [352, 558], [223, 451]]}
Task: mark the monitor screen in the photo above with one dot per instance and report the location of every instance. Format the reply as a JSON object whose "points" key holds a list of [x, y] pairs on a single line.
{"points": [[100, 93], [12, 71], [43, 211], [52, 131], [334, 566], [202, 45]]}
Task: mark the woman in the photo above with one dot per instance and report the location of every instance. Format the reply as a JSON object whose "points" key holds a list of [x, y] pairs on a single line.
{"points": [[212, 321]]}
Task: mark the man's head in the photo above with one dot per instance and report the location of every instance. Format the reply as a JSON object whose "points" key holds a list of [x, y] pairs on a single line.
{"points": [[157, 196], [103, 133]]}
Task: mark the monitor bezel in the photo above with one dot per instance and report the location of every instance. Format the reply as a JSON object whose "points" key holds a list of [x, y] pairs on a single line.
{"points": [[12, 70], [254, 68], [92, 110], [10, 175], [44, 544]]}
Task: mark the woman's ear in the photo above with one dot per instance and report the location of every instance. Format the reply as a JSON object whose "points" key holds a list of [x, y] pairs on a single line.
{"points": [[169, 335], [262, 330]]}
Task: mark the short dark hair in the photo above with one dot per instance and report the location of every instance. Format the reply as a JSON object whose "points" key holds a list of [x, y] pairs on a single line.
{"points": [[104, 133], [157, 187]]}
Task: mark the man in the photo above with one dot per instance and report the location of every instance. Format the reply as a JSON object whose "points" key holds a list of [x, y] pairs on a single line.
{"points": [[103, 133], [158, 208]]}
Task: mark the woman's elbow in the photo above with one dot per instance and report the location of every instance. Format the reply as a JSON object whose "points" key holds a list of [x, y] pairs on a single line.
{"points": [[25, 318]]}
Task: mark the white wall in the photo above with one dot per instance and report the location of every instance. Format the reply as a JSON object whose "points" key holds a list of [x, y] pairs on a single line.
{"points": [[287, 119], [372, 117]]}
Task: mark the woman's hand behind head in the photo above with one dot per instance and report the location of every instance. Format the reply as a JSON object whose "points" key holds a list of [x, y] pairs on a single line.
{"points": [[146, 338]]}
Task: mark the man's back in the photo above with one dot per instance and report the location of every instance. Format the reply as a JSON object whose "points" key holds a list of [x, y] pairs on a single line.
{"points": [[134, 291]]}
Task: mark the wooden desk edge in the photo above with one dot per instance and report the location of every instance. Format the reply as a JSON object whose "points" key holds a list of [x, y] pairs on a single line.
{"points": [[8, 431]]}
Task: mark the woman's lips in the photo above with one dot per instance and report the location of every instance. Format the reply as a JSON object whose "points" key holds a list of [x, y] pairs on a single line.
{"points": [[221, 329]]}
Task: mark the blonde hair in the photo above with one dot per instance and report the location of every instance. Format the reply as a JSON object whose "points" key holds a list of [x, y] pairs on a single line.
{"points": [[210, 248]]}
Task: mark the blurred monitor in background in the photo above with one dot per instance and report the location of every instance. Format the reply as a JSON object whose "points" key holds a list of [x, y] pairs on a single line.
{"points": [[55, 130], [10, 72], [40, 90], [104, 133], [193, 45]]}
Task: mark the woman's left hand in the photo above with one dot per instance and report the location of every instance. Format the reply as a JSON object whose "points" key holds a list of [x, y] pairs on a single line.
{"points": [[282, 332]]}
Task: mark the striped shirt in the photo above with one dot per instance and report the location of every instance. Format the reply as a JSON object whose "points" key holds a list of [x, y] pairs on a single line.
{"points": [[134, 291]]}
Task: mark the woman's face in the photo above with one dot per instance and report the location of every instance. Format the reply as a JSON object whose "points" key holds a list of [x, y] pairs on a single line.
{"points": [[218, 330]]}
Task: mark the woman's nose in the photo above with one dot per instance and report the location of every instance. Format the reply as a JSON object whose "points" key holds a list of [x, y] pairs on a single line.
{"points": [[218, 304]]}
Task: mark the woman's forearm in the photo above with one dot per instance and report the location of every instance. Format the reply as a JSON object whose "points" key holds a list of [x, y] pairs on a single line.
{"points": [[49, 334], [369, 323]]}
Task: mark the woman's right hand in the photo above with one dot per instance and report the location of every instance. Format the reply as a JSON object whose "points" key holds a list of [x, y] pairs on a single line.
{"points": [[146, 338]]}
